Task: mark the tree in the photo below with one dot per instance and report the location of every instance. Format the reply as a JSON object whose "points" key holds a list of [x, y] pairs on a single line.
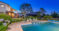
{"points": [[25, 9], [42, 11], [38, 14], [54, 14], [58, 15]]}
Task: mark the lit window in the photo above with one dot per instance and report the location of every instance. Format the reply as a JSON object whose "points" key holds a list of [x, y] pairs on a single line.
{"points": [[2, 5], [10, 14]]}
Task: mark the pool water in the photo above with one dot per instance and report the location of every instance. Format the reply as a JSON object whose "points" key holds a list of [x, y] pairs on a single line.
{"points": [[41, 27]]}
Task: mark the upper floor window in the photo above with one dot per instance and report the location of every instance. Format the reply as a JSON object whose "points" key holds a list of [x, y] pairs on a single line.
{"points": [[2, 5]]}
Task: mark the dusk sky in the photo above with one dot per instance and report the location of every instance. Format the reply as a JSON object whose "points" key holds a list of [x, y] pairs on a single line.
{"points": [[48, 5]]}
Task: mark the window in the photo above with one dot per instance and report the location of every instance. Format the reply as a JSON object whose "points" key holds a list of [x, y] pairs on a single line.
{"points": [[2, 5], [9, 13]]}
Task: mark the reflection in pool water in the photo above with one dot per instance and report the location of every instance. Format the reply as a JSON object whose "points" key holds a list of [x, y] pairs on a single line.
{"points": [[41, 27]]}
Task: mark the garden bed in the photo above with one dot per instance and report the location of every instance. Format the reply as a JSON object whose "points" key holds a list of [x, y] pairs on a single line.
{"points": [[3, 28]]}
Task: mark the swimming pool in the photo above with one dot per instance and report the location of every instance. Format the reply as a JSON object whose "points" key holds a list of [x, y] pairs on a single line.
{"points": [[48, 26]]}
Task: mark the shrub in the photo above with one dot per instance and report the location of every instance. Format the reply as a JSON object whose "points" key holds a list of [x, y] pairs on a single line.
{"points": [[47, 17], [17, 19], [5, 17], [3, 28], [31, 17], [0, 23]]}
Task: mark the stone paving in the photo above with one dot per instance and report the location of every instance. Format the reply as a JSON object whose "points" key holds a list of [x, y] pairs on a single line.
{"points": [[17, 26]]}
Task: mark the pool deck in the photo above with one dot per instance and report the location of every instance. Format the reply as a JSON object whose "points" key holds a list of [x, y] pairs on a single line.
{"points": [[17, 26]]}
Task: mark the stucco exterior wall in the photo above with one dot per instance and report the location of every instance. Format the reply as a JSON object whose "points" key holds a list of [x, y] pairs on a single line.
{"points": [[3, 7]]}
